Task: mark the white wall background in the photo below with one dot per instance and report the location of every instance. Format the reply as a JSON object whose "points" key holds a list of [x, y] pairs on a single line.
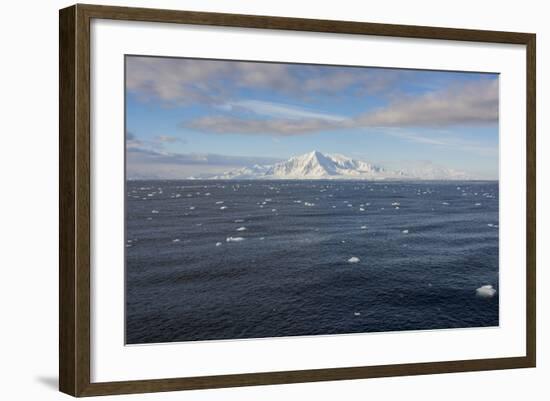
{"points": [[28, 198]]}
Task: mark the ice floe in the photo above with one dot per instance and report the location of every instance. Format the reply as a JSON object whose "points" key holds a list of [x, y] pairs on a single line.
{"points": [[354, 259], [356, 313], [241, 229], [223, 207], [363, 227], [405, 231], [176, 240], [486, 291], [154, 211], [309, 204], [218, 244], [234, 239]]}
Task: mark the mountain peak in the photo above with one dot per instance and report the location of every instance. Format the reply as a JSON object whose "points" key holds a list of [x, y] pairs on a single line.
{"points": [[316, 165]]}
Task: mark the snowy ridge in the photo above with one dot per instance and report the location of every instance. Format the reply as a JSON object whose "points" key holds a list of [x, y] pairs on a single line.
{"points": [[316, 166]]}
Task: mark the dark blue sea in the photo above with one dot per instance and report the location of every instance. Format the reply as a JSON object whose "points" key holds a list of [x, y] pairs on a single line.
{"points": [[211, 260]]}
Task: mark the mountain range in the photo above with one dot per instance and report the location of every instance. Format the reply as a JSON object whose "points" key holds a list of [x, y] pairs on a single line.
{"points": [[319, 166]]}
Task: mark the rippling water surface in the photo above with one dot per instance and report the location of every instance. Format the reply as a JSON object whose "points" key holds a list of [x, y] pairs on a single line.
{"points": [[212, 260]]}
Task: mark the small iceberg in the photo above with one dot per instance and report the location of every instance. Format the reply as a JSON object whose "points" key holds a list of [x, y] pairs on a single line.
{"points": [[309, 204], [176, 240], [354, 259], [405, 231], [396, 204], [478, 204], [218, 244], [445, 203], [486, 291], [356, 313], [234, 239], [219, 203], [241, 229], [154, 211], [363, 227], [223, 207]]}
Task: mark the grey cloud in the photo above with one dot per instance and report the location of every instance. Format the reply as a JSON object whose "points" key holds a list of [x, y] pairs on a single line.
{"points": [[144, 163], [284, 127], [469, 104], [186, 81]]}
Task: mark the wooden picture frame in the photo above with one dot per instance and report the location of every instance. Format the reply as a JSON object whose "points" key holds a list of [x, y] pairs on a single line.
{"points": [[74, 199]]}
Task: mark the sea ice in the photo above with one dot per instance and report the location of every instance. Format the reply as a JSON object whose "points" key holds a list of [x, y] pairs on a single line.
{"points": [[354, 259], [486, 291]]}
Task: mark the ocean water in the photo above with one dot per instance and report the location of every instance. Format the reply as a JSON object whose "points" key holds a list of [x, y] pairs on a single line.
{"points": [[211, 260]]}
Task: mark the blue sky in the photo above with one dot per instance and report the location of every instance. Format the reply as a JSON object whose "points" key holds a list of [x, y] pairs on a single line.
{"points": [[192, 117]]}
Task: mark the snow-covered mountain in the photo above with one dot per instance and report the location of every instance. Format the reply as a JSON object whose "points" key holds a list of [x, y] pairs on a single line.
{"points": [[319, 166], [314, 166]]}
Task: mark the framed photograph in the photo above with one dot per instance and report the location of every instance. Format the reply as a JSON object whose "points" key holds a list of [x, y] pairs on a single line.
{"points": [[250, 200]]}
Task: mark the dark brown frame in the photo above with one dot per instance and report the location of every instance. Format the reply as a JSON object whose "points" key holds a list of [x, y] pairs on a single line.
{"points": [[74, 199]]}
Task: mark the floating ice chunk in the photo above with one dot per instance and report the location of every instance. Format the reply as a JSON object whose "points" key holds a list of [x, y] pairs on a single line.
{"points": [[356, 313], [445, 203], [176, 240], [396, 204], [154, 211], [273, 210], [490, 225], [486, 291], [363, 227], [191, 207], [207, 194], [361, 209], [262, 238], [218, 244], [478, 204], [354, 259], [397, 208], [241, 229], [297, 201], [268, 199], [405, 231], [219, 203], [223, 207], [234, 239], [309, 204]]}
